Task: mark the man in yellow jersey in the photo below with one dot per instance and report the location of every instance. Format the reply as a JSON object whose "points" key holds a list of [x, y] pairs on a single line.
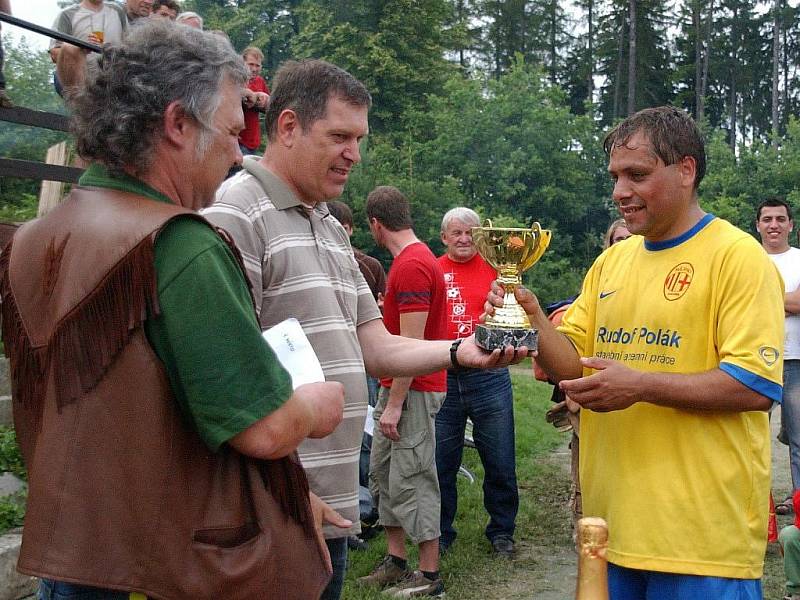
{"points": [[673, 349]]}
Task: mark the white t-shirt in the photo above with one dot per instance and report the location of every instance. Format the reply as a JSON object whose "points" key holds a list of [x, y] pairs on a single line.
{"points": [[788, 264], [79, 22]]}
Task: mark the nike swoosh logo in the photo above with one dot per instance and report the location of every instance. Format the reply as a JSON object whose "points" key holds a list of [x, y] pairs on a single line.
{"points": [[607, 294]]}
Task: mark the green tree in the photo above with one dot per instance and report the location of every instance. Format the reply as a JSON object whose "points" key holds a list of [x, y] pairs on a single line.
{"points": [[507, 146], [267, 24], [651, 63], [398, 52], [29, 74]]}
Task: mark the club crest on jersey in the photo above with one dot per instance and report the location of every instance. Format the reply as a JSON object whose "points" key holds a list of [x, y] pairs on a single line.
{"points": [[769, 355], [678, 281]]}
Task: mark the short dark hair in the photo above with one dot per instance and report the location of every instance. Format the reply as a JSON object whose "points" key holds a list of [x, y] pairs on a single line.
{"points": [[774, 201], [305, 87], [170, 4], [672, 133], [341, 212], [390, 207]]}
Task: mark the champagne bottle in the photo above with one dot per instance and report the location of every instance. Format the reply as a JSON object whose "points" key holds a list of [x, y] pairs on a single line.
{"points": [[592, 563]]}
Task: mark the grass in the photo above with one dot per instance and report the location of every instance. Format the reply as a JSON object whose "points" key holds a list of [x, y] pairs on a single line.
{"points": [[12, 508], [19, 212], [469, 566]]}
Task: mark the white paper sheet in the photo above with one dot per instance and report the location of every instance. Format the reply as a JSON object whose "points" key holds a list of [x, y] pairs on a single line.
{"points": [[369, 424], [294, 352]]}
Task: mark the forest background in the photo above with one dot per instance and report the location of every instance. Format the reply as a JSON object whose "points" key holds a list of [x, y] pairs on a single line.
{"points": [[502, 105]]}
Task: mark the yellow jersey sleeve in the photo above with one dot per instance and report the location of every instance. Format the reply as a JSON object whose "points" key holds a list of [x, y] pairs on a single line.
{"points": [[749, 326]]}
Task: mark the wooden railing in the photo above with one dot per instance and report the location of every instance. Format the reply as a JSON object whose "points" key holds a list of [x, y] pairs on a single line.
{"points": [[28, 169]]}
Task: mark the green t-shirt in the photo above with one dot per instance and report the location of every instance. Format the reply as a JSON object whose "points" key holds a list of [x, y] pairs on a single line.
{"points": [[220, 368]]}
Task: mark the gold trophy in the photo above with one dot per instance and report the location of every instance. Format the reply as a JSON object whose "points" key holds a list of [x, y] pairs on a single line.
{"points": [[511, 251]]}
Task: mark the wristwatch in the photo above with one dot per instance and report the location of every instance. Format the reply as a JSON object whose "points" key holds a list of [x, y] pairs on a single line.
{"points": [[454, 352]]}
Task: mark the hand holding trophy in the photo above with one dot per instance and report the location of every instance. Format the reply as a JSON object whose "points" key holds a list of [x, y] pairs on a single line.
{"points": [[511, 251]]}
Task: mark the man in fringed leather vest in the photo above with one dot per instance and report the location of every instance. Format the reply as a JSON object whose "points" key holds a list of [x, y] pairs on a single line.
{"points": [[158, 428]]}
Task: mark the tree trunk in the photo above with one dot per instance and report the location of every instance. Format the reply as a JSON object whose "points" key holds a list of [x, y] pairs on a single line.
{"points": [[553, 49], [733, 68], [590, 57], [776, 59], [618, 82], [698, 58], [704, 78], [632, 57], [785, 91]]}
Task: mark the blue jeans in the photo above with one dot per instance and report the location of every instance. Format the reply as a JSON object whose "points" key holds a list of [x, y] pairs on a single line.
{"points": [[60, 590], [366, 439], [338, 549], [633, 584], [485, 397], [790, 415]]}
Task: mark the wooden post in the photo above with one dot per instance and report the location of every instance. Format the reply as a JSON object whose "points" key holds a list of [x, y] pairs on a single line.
{"points": [[52, 191]]}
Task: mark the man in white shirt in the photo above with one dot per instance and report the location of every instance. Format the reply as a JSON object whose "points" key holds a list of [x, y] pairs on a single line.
{"points": [[774, 224], [95, 21]]}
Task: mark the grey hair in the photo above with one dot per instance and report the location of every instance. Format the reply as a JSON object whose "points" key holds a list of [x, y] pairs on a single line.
{"points": [[185, 16], [460, 213], [118, 114]]}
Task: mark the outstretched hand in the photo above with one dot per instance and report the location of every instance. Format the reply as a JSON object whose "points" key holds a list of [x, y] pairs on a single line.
{"points": [[469, 354], [612, 387]]}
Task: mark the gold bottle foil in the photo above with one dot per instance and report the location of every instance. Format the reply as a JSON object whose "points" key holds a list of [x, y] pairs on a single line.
{"points": [[592, 563]]}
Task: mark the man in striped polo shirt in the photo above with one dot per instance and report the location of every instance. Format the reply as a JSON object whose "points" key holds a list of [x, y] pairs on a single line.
{"points": [[300, 264]]}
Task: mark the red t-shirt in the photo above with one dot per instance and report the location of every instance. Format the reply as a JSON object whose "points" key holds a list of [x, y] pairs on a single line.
{"points": [[416, 284], [250, 136], [467, 285]]}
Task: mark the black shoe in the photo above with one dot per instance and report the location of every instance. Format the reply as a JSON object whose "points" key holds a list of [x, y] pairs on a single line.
{"points": [[356, 543], [503, 547], [785, 508]]}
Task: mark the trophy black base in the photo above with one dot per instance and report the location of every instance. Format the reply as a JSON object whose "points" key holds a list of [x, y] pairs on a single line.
{"points": [[491, 338]]}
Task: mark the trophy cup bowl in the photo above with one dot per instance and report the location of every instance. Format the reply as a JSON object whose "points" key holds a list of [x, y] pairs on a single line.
{"points": [[511, 251]]}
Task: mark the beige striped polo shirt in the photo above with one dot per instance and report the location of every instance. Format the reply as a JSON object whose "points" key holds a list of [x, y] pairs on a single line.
{"points": [[300, 264]]}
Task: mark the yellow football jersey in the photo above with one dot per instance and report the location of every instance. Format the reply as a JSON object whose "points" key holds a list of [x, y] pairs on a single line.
{"points": [[683, 491]]}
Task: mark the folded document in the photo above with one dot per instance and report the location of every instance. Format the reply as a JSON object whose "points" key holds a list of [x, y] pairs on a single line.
{"points": [[294, 352]]}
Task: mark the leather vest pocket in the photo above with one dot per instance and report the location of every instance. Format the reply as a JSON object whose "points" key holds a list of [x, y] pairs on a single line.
{"points": [[226, 537]]}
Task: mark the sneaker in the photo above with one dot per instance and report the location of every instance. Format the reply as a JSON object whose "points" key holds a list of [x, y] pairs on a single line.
{"points": [[416, 585], [386, 573], [503, 547]]}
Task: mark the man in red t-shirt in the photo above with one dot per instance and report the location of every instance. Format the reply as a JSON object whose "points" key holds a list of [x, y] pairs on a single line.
{"points": [[254, 102], [482, 395], [402, 465]]}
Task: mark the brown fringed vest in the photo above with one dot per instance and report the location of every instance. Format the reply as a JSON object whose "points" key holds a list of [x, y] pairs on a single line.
{"points": [[123, 494]]}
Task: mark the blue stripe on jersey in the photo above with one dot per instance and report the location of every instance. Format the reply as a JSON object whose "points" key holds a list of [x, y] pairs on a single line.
{"points": [[765, 387], [663, 245]]}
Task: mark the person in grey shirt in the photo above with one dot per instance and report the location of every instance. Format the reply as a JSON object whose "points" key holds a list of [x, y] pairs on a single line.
{"points": [[301, 265]]}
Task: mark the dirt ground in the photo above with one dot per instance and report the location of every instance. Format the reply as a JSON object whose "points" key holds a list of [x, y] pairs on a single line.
{"points": [[545, 565]]}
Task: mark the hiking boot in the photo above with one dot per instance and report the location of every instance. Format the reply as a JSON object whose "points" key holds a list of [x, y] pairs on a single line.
{"points": [[503, 547], [416, 585], [386, 573]]}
